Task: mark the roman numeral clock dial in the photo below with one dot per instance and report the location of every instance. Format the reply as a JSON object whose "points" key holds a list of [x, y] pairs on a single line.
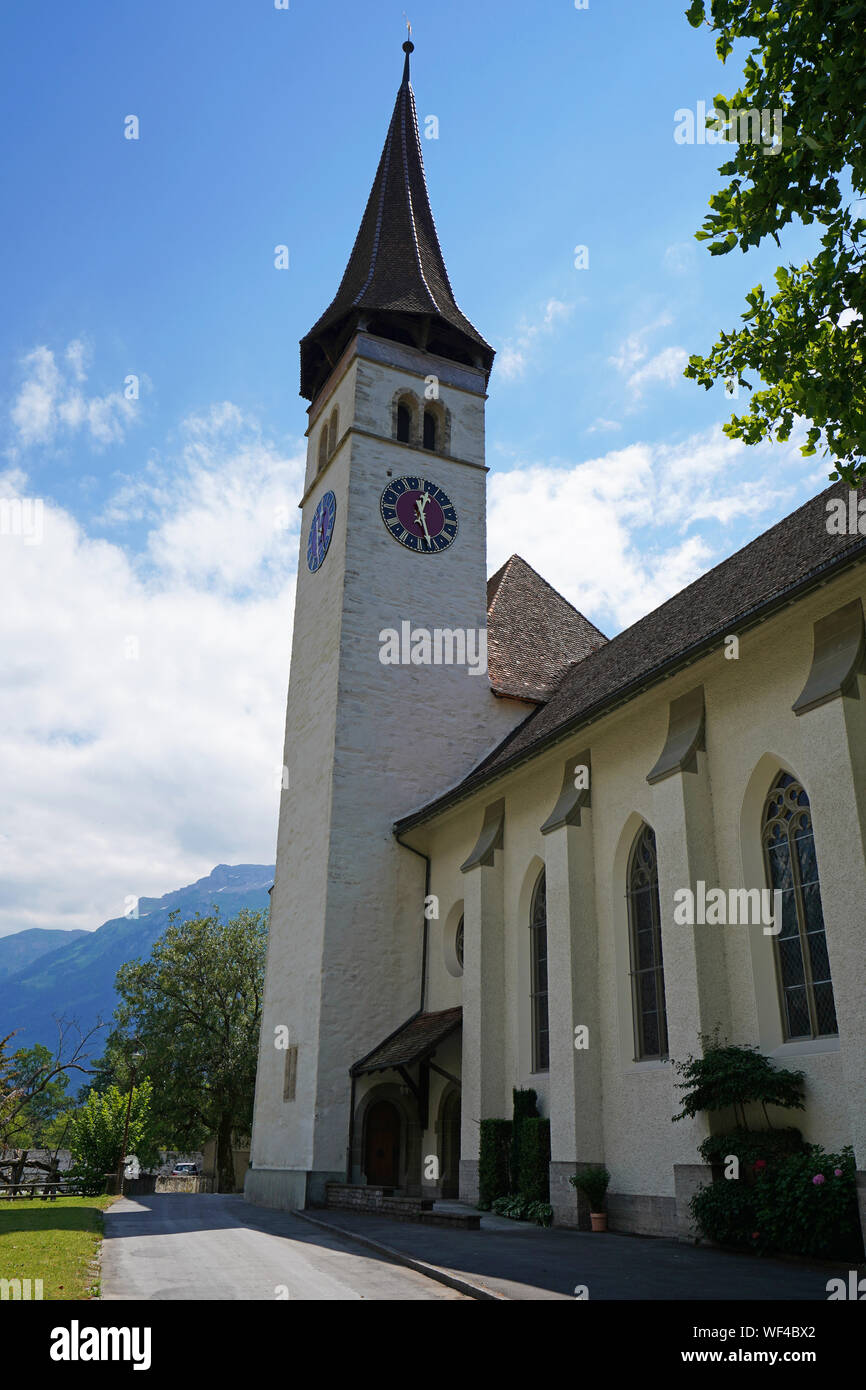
{"points": [[419, 515], [321, 531]]}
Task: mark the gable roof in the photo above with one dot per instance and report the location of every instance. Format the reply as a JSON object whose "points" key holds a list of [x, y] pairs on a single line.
{"points": [[773, 570], [413, 1041], [396, 268], [533, 633]]}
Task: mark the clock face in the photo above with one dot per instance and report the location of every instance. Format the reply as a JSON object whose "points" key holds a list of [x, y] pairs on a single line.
{"points": [[321, 530], [419, 515]]}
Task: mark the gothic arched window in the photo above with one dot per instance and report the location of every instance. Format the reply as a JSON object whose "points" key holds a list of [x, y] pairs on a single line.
{"points": [[645, 942], [808, 1007], [404, 423], [431, 430], [333, 428], [323, 448], [538, 966], [458, 942]]}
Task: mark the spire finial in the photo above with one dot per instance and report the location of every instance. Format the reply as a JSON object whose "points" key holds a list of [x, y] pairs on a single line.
{"points": [[408, 48]]}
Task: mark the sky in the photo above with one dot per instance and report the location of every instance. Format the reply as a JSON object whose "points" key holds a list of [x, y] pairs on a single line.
{"points": [[151, 430]]}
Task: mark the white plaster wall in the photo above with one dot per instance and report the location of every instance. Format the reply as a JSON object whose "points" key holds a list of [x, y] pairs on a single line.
{"points": [[749, 718]]}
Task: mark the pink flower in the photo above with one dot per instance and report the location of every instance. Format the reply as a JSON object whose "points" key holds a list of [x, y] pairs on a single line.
{"points": [[755, 1235], [760, 1163], [837, 1172], [818, 1179]]}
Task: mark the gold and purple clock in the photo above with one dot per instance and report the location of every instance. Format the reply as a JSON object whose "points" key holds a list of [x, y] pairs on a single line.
{"points": [[321, 530], [419, 514]]}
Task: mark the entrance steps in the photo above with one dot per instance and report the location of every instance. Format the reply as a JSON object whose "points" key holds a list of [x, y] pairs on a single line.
{"points": [[384, 1201]]}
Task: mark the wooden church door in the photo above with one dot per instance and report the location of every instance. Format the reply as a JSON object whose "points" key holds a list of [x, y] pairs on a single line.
{"points": [[382, 1164]]}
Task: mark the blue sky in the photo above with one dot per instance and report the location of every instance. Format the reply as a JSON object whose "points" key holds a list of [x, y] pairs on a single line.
{"points": [[155, 258]]}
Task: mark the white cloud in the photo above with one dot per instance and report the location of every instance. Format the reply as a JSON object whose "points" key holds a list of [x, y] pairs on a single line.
{"points": [[128, 775], [667, 367], [633, 349], [620, 533], [680, 257], [50, 404], [515, 357], [602, 426]]}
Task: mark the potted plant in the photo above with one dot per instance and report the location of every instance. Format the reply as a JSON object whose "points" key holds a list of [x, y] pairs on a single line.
{"points": [[592, 1182]]}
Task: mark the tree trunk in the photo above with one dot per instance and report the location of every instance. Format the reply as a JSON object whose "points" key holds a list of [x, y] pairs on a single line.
{"points": [[225, 1167]]}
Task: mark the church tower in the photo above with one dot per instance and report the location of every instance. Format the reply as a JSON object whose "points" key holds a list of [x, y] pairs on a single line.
{"points": [[389, 702]]}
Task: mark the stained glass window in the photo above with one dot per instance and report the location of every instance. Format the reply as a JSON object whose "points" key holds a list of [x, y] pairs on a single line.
{"points": [[538, 953], [808, 1007], [647, 968]]}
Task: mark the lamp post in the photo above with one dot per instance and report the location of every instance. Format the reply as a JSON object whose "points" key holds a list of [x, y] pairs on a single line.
{"points": [[136, 1058]]}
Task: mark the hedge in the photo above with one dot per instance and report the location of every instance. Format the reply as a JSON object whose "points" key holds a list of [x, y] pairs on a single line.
{"points": [[494, 1176], [525, 1107], [535, 1160]]}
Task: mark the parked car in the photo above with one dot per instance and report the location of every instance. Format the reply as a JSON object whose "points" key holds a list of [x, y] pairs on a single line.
{"points": [[184, 1170]]}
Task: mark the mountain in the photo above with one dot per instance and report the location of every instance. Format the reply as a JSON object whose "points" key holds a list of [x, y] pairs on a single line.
{"points": [[75, 981], [22, 948]]}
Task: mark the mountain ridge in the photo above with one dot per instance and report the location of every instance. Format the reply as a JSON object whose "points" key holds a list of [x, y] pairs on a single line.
{"points": [[75, 981]]}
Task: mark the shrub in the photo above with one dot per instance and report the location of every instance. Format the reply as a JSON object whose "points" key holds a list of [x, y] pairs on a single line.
{"points": [[97, 1130], [592, 1182], [751, 1146], [525, 1107], [729, 1076], [535, 1160], [785, 1209], [513, 1206], [725, 1212], [540, 1212], [493, 1162], [518, 1209], [806, 1204]]}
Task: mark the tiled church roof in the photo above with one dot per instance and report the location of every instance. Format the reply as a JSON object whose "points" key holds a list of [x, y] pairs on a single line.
{"points": [[412, 1042], [772, 570], [533, 633], [396, 268]]}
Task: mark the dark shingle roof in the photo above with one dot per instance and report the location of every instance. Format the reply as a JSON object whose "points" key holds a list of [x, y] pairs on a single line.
{"points": [[396, 277], [789, 558], [412, 1042], [533, 633]]}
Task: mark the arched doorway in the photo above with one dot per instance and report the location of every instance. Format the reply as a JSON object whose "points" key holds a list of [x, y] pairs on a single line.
{"points": [[451, 1145], [382, 1148]]}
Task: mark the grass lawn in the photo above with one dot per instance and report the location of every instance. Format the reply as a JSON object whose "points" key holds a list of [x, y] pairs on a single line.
{"points": [[56, 1242]]}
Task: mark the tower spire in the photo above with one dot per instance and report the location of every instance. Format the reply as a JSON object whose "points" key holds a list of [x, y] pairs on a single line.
{"points": [[395, 284]]}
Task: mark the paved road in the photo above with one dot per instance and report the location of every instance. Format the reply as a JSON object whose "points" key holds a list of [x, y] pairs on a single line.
{"points": [[175, 1246], [521, 1261]]}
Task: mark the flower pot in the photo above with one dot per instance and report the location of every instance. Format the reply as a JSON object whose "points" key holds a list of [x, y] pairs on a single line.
{"points": [[598, 1220]]}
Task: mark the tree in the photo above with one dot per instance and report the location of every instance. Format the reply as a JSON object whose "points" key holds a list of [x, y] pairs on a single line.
{"points": [[196, 1006], [33, 1092], [806, 341], [46, 1104], [731, 1075], [97, 1130]]}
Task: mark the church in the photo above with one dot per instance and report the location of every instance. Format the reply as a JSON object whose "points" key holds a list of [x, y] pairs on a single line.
{"points": [[503, 838]]}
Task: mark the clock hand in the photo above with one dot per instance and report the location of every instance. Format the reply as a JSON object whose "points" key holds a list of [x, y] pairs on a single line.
{"points": [[420, 506]]}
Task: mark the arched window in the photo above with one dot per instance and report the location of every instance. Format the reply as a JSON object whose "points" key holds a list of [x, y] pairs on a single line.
{"points": [[458, 942], [808, 1007], [431, 430], [323, 448], [645, 941], [333, 428], [538, 965], [404, 423]]}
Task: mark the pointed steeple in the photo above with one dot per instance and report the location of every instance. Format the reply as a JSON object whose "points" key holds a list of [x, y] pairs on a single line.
{"points": [[395, 284]]}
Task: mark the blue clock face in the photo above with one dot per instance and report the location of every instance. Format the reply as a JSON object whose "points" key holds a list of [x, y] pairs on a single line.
{"points": [[321, 530]]}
